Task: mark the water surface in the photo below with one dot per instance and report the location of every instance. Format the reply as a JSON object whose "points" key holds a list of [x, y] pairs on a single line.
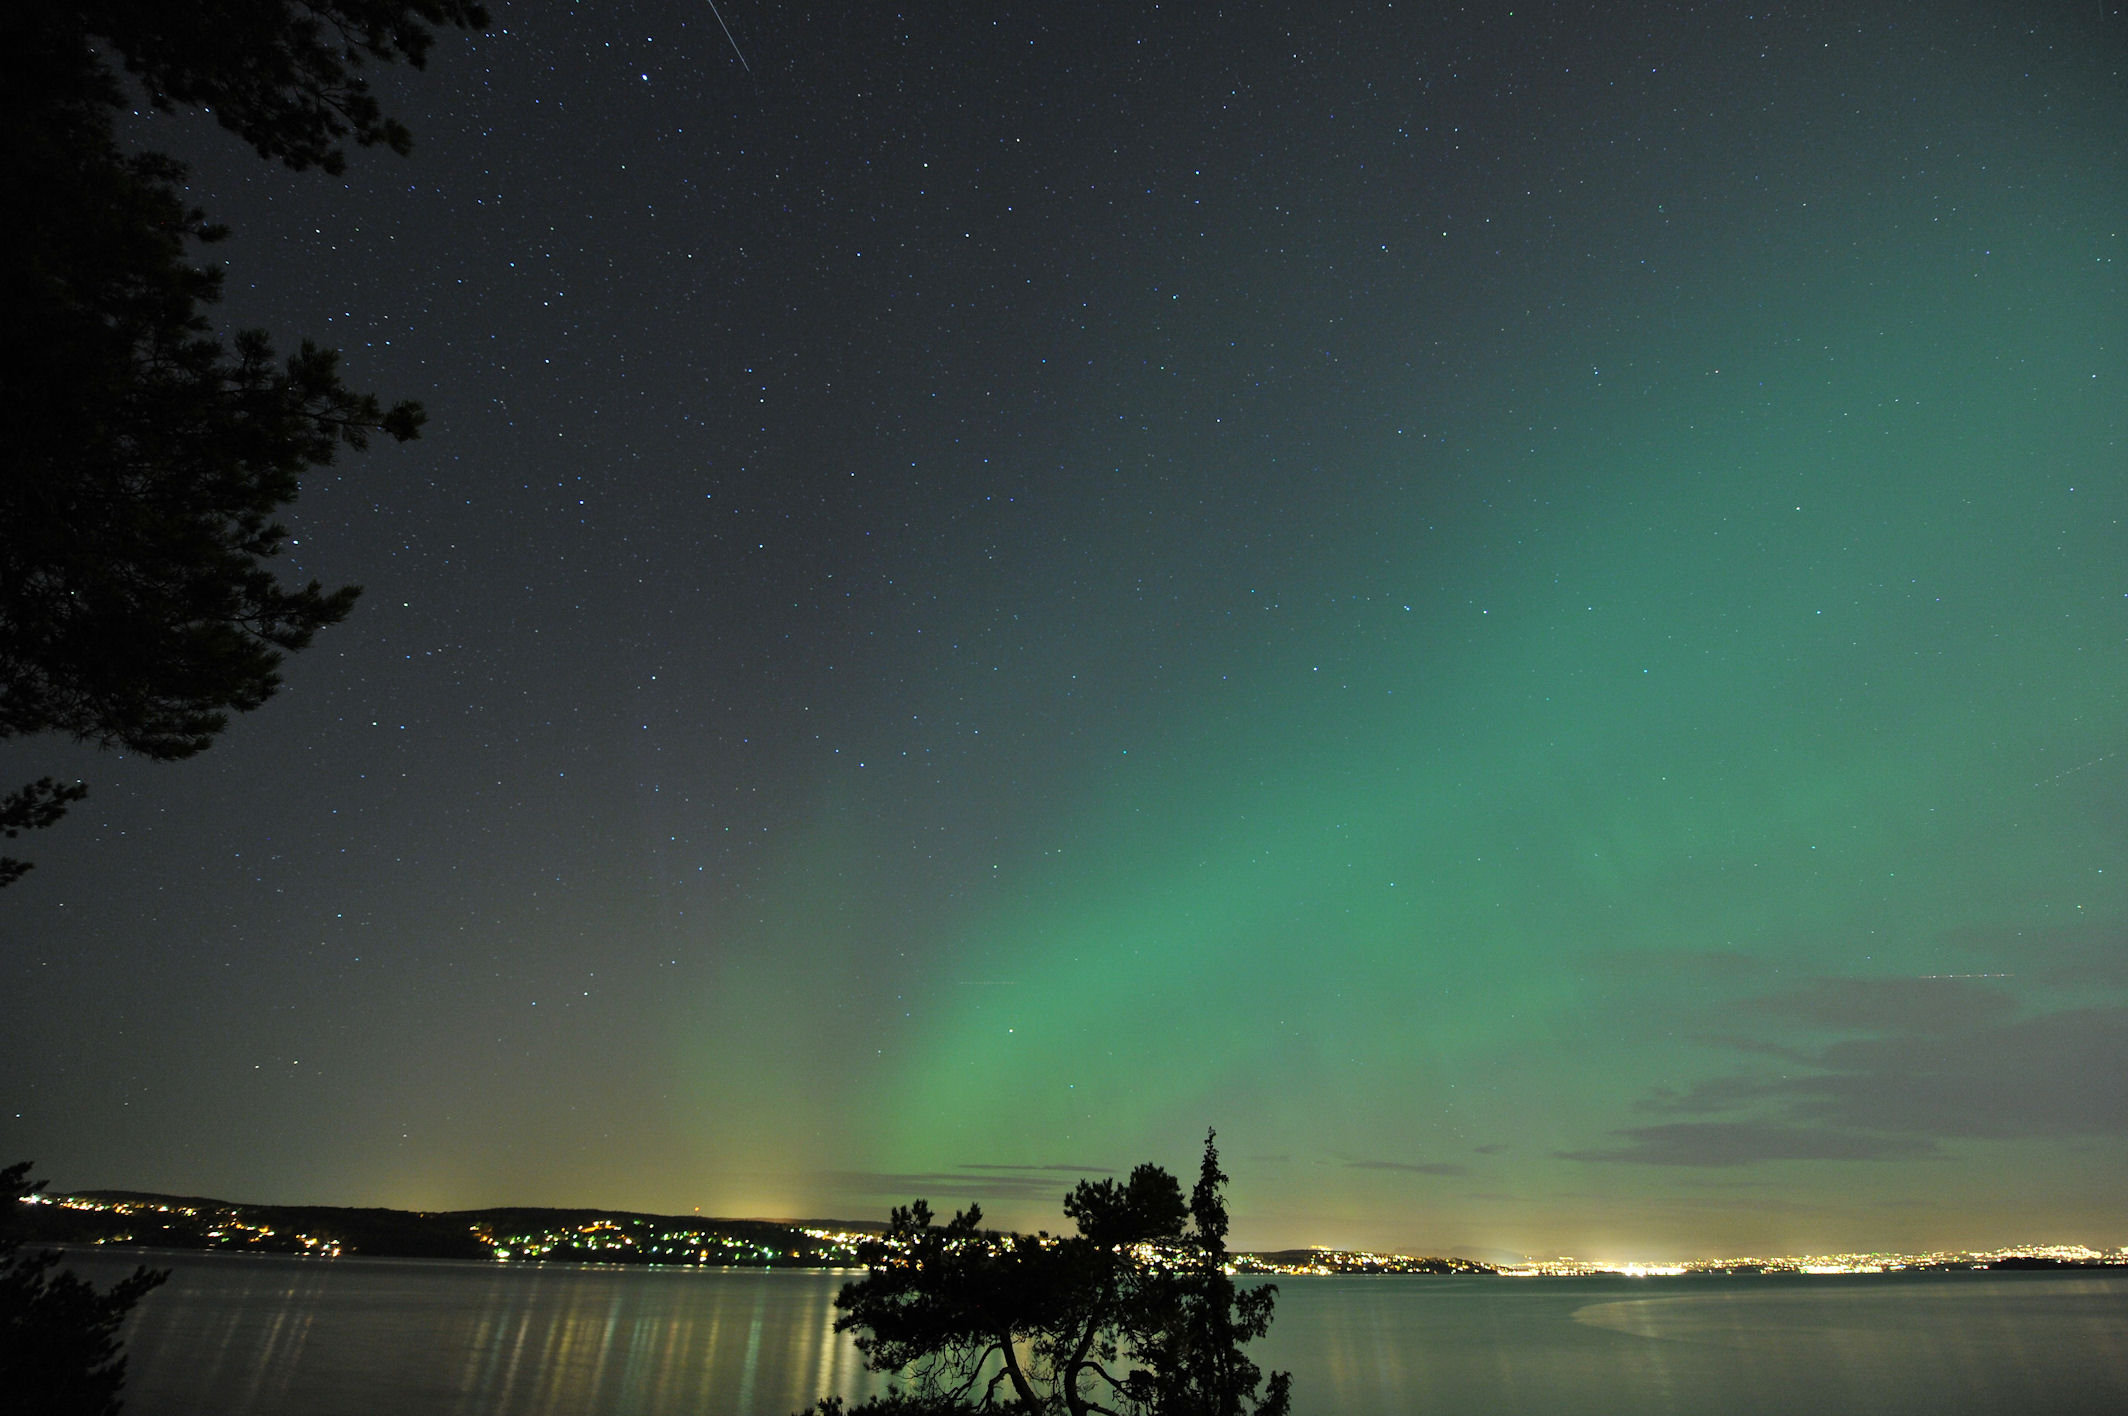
{"points": [[265, 1336]]}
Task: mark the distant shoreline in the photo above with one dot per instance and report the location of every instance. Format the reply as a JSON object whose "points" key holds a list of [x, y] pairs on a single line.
{"points": [[150, 1256], [108, 1220]]}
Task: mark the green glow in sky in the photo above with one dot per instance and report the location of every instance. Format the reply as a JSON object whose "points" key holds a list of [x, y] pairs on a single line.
{"points": [[1529, 618], [1645, 824]]}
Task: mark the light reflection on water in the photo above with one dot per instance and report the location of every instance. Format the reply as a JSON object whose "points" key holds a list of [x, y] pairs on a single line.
{"points": [[1946, 1345], [287, 1337], [261, 1336]]}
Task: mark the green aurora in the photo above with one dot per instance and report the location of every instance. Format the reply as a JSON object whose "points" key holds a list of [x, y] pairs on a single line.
{"points": [[1438, 865], [1525, 613]]}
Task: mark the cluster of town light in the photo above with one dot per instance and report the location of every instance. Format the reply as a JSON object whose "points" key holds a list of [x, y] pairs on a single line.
{"points": [[1824, 1263], [640, 1240], [838, 1248], [229, 1231], [1322, 1261]]}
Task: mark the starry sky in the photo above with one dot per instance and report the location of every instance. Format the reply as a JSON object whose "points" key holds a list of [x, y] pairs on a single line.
{"points": [[1523, 608]]}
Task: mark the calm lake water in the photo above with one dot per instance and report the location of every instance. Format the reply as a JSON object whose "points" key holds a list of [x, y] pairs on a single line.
{"points": [[236, 1336]]}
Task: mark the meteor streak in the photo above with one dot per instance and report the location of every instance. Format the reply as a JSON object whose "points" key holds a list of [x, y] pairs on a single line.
{"points": [[728, 35]]}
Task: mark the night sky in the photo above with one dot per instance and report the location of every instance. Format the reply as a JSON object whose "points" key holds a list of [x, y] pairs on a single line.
{"points": [[1524, 609]]}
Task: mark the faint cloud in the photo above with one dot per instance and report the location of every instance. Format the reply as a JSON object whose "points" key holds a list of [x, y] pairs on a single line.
{"points": [[1907, 1005], [1746, 1143], [2057, 1074], [1431, 1168], [2053, 1074], [966, 1183], [2060, 956], [1717, 1094], [1726, 1204], [1705, 965], [1494, 1149], [1913, 1062], [1736, 1043]]}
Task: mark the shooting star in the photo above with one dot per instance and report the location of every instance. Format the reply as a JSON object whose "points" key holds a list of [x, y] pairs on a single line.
{"points": [[728, 35]]}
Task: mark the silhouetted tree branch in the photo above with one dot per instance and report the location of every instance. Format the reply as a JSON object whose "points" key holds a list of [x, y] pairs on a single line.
{"points": [[31, 808], [284, 77], [59, 1347], [148, 460], [1135, 1315]]}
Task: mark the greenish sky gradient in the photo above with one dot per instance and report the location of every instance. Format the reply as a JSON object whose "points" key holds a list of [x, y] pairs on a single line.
{"points": [[1441, 861], [1526, 613]]}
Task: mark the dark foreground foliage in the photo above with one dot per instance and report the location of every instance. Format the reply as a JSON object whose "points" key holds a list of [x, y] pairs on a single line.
{"points": [[59, 1348], [899, 1403], [146, 458], [1134, 1315]]}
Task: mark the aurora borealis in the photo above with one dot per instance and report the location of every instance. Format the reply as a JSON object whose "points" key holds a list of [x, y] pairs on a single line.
{"points": [[1526, 612]]}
